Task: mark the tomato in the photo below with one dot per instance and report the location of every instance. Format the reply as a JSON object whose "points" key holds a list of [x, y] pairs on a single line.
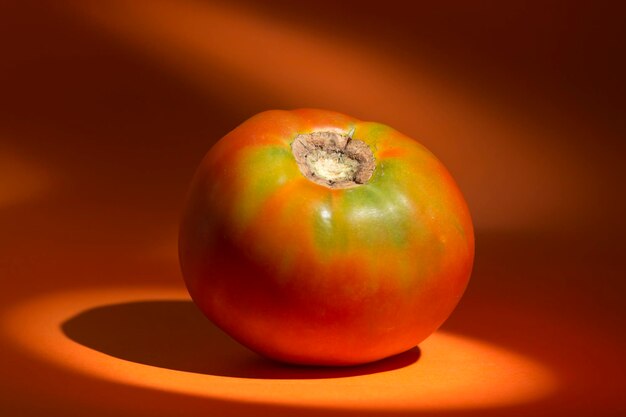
{"points": [[314, 238]]}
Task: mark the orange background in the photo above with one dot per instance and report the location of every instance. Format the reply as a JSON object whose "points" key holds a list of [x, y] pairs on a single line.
{"points": [[106, 108]]}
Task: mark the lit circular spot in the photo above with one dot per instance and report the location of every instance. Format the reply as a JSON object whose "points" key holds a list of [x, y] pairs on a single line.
{"points": [[452, 372]]}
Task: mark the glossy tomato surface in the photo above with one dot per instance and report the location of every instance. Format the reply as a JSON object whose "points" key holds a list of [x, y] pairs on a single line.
{"points": [[307, 274]]}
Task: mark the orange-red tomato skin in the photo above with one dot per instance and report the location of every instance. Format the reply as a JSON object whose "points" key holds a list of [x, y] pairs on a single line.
{"points": [[306, 274]]}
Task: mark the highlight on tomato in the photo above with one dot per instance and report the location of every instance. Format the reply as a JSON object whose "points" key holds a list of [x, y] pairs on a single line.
{"points": [[312, 237]]}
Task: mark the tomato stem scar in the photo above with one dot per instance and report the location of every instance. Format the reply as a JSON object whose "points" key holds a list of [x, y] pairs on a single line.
{"points": [[333, 159]]}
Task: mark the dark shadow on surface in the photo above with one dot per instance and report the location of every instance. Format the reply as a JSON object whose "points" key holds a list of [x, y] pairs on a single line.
{"points": [[175, 335]]}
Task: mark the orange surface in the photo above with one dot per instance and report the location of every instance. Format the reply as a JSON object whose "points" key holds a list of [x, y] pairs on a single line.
{"points": [[106, 108]]}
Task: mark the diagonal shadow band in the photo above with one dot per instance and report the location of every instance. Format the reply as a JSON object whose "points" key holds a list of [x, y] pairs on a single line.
{"points": [[173, 334]]}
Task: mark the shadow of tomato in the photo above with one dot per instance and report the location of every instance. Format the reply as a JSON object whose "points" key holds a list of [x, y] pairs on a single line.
{"points": [[175, 335]]}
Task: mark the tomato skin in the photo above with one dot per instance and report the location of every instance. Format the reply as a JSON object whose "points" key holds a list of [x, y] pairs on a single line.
{"points": [[306, 274]]}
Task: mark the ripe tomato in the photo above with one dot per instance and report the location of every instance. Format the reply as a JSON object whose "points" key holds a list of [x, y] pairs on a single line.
{"points": [[315, 238]]}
